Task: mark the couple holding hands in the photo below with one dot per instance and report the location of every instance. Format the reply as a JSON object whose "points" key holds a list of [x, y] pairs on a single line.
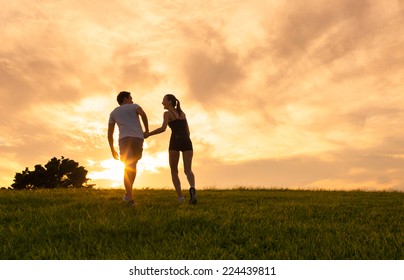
{"points": [[131, 136]]}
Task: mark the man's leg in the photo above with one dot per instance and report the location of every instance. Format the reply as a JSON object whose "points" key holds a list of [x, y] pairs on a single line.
{"points": [[126, 154], [128, 181], [133, 152]]}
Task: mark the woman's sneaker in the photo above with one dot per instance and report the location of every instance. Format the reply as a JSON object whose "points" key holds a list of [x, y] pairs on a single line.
{"points": [[192, 192]]}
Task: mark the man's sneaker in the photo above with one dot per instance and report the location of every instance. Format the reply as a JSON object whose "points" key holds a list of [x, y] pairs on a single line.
{"points": [[130, 202], [192, 192], [181, 199]]}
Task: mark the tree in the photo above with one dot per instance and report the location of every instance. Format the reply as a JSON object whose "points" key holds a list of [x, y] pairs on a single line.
{"points": [[57, 173]]}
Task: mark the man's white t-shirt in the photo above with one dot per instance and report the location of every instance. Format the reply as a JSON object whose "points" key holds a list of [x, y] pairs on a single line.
{"points": [[127, 119]]}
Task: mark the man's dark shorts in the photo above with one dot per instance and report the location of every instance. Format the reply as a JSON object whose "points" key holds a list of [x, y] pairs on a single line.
{"points": [[130, 149]]}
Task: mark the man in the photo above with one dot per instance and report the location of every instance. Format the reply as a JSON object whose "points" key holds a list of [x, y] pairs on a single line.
{"points": [[131, 137]]}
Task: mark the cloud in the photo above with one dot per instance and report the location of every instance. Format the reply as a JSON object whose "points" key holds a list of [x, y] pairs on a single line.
{"points": [[210, 81], [349, 169], [270, 88]]}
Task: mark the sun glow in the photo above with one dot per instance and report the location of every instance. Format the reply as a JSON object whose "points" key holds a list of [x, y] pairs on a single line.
{"points": [[112, 170], [152, 163]]}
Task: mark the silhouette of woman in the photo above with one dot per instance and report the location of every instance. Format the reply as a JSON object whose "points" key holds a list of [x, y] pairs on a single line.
{"points": [[180, 141]]}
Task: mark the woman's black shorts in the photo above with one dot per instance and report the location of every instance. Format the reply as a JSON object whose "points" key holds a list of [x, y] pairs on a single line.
{"points": [[180, 144]]}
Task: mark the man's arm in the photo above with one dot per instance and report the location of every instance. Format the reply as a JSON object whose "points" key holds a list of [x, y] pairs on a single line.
{"points": [[111, 128], [145, 121]]}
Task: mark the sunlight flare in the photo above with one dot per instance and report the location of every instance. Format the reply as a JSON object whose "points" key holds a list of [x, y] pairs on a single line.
{"points": [[110, 169]]}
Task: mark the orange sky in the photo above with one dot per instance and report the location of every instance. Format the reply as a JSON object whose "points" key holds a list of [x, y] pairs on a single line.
{"points": [[277, 94]]}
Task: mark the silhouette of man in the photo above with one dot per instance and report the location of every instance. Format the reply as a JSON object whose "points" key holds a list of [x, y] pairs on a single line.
{"points": [[131, 137]]}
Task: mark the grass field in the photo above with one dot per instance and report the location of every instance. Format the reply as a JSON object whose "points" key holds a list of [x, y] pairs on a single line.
{"points": [[225, 224]]}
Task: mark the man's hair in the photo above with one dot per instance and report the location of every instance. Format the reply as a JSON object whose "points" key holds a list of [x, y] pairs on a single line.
{"points": [[121, 96]]}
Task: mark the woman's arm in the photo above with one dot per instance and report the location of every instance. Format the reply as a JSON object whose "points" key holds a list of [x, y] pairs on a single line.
{"points": [[160, 129], [184, 117]]}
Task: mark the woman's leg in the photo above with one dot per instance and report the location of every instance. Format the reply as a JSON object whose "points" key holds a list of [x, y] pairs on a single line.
{"points": [[187, 159], [174, 157]]}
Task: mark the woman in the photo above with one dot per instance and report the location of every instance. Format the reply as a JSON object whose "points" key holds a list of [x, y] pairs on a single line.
{"points": [[180, 141]]}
